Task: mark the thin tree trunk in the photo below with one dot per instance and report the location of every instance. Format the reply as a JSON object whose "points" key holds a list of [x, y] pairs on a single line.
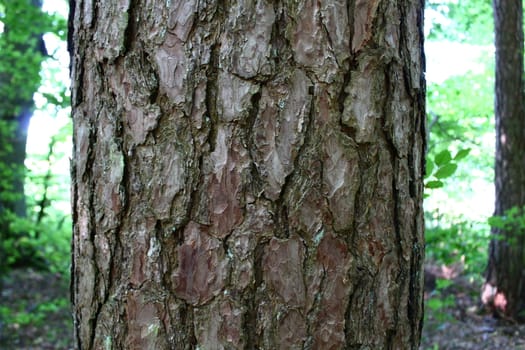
{"points": [[248, 175], [12, 158], [506, 269], [44, 202]]}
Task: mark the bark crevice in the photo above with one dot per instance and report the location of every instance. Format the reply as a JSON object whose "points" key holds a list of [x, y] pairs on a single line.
{"points": [[211, 95]]}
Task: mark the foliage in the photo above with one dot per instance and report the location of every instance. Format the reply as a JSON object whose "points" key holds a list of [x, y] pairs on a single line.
{"points": [[457, 240], [442, 166], [460, 119], [439, 300], [48, 199], [463, 103], [48, 242], [34, 311], [18, 314], [47, 227], [23, 26], [42, 237], [7, 172], [460, 150], [463, 21], [512, 220], [460, 108]]}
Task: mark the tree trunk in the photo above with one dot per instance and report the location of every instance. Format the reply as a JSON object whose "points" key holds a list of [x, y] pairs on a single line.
{"points": [[248, 175], [506, 269]]}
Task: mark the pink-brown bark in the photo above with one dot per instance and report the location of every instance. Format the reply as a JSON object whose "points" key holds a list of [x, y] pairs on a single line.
{"points": [[248, 174]]}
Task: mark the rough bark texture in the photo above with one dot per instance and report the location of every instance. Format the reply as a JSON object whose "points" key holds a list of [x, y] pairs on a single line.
{"points": [[506, 269], [248, 174]]}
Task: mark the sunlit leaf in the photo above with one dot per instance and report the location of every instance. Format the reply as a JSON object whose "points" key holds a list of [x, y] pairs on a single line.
{"points": [[462, 154], [446, 170], [443, 157], [434, 184], [429, 168]]}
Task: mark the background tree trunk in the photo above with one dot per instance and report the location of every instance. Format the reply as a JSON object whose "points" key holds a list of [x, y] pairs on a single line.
{"points": [[248, 174], [506, 268]]}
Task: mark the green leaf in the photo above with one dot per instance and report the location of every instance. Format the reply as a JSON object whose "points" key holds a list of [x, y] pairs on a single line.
{"points": [[512, 213], [434, 304], [462, 153], [443, 157], [434, 184], [442, 283], [497, 222], [429, 167], [446, 170]]}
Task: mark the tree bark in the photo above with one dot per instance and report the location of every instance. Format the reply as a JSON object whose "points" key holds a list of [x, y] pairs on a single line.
{"points": [[248, 174], [506, 268]]}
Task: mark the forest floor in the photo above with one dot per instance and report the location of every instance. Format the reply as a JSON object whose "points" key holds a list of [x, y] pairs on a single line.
{"points": [[35, 312], [35, 315], [456, 319]]}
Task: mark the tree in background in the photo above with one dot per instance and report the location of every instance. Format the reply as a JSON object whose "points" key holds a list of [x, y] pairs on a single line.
{"points": [[248, 174], [22, 53], [460, 118], [505, 287]]}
